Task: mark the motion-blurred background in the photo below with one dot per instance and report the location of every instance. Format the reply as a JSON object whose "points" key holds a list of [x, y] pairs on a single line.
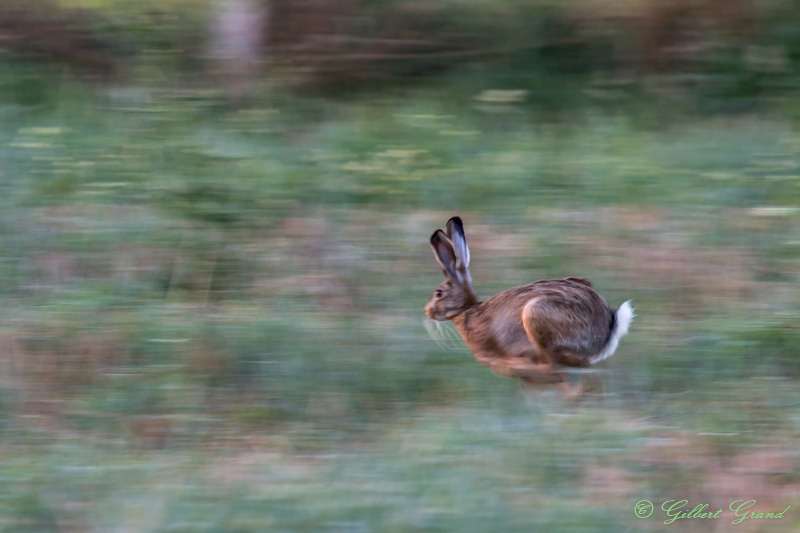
{"points": [[214, 220]]}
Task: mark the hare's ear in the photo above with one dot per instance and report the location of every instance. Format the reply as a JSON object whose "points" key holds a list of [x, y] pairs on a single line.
{"points": [[455, 231], [445, 256]]}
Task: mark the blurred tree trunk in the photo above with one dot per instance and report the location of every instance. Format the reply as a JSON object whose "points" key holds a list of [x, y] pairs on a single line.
{"points": [[238, 34]]}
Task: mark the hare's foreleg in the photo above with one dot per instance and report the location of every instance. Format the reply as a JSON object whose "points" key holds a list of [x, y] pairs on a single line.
{"points": [[533, 374], [570, 391], [522, 368]]}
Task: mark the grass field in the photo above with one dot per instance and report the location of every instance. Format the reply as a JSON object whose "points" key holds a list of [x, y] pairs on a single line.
{"points": [[212, 314]]}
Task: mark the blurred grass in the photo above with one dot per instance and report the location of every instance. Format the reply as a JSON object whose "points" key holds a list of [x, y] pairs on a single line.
{"points": [[187, 288], [211, 310]]}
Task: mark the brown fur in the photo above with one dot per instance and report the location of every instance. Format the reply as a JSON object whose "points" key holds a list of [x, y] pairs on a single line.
{"points": [[524, 332], [563, 321]]}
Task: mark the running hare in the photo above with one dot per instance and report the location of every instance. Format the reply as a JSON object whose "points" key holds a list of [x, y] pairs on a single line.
{"points": [[530, 331]]}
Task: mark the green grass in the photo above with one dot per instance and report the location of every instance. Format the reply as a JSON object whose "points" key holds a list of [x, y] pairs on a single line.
{"points": [[212, 318]]}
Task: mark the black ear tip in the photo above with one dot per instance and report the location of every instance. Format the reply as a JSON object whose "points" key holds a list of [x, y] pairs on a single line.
{"points": [[455, 222], [436, 236]]}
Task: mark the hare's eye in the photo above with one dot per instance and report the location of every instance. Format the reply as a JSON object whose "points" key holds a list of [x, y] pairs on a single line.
{"points": [[438, 293]]}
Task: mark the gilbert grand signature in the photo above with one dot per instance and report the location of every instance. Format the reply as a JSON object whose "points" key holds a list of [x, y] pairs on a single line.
{"points": [[737, 512]]}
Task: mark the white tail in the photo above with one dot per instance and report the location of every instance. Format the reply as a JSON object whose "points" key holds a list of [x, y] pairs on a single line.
{"points": [[623, 319]]}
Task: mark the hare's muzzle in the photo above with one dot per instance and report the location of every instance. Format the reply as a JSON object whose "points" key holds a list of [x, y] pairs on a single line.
{"points": [[429, 311]]}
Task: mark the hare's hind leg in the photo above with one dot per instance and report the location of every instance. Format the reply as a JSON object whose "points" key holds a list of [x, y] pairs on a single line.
{"points": [[534, 313], [545, 341], [521, 368]]}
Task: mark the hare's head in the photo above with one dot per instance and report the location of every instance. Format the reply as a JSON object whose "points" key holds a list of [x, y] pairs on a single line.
{"points": [[455, 294]]}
